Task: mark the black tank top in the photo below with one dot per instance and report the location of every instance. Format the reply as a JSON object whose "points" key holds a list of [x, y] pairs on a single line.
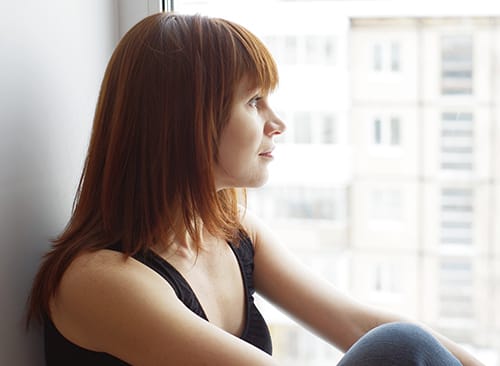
{"points": [[60, 351]]}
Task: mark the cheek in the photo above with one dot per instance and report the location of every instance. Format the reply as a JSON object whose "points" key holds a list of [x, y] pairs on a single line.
{"points": [[234, 156], [237, 158], [242, 136], [240, 140], [230, 150]]}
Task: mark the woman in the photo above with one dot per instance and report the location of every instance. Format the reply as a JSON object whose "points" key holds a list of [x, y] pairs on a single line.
{"points": [[158, 263]]}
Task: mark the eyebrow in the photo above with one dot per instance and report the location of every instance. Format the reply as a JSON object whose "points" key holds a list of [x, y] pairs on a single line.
{"points": [[253, 91]]}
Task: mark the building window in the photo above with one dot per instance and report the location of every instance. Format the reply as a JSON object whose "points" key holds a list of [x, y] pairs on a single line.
{"points": [[457, 141], [455, 289], [329, 50], [377, 57], [395, 134], [311, 49], [312, 127], [301, 202], [290, 49], [386, 278], [377, 131], [457, 65], [395, 56], [387, 131], [318, 49], [328, 130], [387, 57], [457, 207]]}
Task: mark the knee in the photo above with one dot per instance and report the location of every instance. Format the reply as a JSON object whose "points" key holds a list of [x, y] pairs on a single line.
{"points": [[401, 334], [398, 344], [392, 339]]}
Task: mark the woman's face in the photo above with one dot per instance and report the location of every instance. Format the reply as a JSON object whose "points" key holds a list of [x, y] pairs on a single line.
{"points": [[246, 143]]}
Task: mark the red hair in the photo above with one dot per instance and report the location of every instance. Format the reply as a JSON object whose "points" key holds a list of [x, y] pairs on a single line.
{"points": [[148, 177]]}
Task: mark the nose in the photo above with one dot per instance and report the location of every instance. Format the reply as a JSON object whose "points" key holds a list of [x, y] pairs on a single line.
{"points": [[274, 125]]}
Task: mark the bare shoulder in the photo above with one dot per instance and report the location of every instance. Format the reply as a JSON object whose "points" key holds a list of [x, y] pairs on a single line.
{"points": [[105, 268], [90, 265], [91, 287], [117, 305], [106, 271]]}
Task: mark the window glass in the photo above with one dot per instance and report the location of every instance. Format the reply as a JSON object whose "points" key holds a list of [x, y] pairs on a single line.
{"points": [[457, 64], [386, 56], [395, 56], [457, 141], [387, 131], [395, 131], [377, 57], [328, 132], [385, 279], [456, 296], [377, 131], [390, 152], [457, 208]]}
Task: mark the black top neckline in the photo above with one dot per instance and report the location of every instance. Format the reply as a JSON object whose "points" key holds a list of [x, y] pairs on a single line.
{"points": [[195, 297]]}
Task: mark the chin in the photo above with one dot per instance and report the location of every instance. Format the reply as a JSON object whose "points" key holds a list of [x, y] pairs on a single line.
{"points": [[254, 181], [259, 182]]}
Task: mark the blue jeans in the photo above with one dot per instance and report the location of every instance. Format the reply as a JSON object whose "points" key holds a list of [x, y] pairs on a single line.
{"points": [[398, 344]]}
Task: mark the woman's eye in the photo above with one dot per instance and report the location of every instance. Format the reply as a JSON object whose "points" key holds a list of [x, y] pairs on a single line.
{"points": [[254, 102]]}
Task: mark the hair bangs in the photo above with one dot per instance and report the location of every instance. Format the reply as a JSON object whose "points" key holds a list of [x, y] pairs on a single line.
{"points": [[253, 59]]}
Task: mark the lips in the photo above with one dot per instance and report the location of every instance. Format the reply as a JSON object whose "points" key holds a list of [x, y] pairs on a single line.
{"points": [[267, 153]]}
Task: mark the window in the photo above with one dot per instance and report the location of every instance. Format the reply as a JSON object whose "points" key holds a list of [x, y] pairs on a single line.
{"points": [[312, 127], [457, 209], [456, 289], [329, 52], [395, 131], [290, 49], [386, 57], [301, 202], [395, 56], [386, 131], [319, 49], [377, 131], [385, 278], [345, 91], [457, 65], [328, 132], [457, 141], [377, 57], [309, 49]]}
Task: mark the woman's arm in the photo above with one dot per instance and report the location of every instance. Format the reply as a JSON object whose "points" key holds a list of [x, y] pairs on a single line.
{"points": [[312, 300], [121, 307]]}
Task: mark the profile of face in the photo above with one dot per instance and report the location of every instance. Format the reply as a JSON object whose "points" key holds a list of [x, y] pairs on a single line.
{"points": [[246, 143]]}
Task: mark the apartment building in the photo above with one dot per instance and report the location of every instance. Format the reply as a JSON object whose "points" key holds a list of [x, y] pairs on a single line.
{"points": [[417, 231], [424, 112]]}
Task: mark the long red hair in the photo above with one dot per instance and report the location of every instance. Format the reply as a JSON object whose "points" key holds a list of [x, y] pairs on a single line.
{"points": [[148, 176]]}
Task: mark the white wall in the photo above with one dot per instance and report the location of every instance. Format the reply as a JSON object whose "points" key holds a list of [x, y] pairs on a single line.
{"points": [[52, 58]]}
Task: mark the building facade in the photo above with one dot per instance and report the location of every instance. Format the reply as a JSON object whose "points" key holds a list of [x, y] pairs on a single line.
{"points": [[415, 229], [425, 115]]}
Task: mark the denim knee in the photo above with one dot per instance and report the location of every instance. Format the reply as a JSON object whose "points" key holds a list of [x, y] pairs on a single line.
{"points": [[402, 344]]}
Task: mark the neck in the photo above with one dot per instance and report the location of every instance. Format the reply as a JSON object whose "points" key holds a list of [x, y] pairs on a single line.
{"points": [[185, 246]]}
